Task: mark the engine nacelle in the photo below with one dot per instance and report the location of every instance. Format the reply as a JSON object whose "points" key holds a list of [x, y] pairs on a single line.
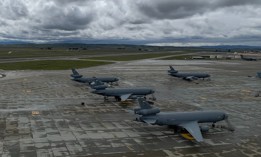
{"points": [[145, 112], [76, 76], [204, 128]]}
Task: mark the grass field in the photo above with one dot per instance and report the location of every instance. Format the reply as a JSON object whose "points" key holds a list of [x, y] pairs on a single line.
{"points": [[32, 53], [54, 50], [35, 52], [50, 65], [130, 57]]}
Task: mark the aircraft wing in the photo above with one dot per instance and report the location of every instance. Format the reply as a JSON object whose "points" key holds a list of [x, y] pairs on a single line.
{"points": [[125, 96], [193, 128]]}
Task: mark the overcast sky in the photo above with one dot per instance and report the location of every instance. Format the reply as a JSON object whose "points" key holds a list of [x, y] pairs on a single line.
{"points": [[158, 22]]}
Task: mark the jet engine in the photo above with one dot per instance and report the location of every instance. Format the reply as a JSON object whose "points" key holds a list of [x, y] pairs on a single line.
{"points": [[76, 76], [204, 128], [145, 112]]}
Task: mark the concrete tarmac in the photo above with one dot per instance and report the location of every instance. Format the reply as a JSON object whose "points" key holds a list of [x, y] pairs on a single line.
{"points": [[41, 112]]}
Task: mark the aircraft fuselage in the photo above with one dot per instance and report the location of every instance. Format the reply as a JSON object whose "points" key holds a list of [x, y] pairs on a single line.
{"points": [[91, 79], [176, 118], [184, 75], [122, 91]]}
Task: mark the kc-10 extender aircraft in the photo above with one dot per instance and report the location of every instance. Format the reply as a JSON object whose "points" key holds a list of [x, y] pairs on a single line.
{"points": [[187, 76], [120, 94], [248, 58], [185, 120], [79, 78]]}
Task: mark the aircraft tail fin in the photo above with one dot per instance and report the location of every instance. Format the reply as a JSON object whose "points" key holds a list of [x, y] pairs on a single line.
{"points": [[172, 70], [98, 85], [146, 109], [75, 73], [144, 104]]}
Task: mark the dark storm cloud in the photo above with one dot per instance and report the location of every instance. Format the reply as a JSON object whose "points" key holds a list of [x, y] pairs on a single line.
{"points": [[168, 9], [176, 9], [69, 19], [229, 3], [53, 14]]}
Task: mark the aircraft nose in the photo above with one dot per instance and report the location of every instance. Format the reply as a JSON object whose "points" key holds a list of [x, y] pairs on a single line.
{"points": [[152, 91], [116, 79]]}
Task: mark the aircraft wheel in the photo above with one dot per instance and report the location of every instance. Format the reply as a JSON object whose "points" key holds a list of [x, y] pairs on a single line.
{"points": [[105, 98], [118, 98]]}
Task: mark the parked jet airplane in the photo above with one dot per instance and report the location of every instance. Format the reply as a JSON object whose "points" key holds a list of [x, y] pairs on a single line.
{"points": [[248, 58], [184, 120], [79, 78], [187, 76], [120, 94]]}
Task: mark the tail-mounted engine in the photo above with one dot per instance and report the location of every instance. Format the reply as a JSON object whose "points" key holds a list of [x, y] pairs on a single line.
{"points": [[146, 112], [204, 128], [76, 76]]}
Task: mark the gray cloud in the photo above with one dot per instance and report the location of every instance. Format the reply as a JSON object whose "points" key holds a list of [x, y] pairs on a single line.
{"points": [[167, 9], [61, 16], [149, 21], [12, 10], [71, 18], [176, 9]]}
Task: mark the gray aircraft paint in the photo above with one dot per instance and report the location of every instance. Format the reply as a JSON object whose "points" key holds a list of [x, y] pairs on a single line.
{"points": [[119, 93], [176, 118], [182, 75], [186, 120], [79, 78], [187, 76]]}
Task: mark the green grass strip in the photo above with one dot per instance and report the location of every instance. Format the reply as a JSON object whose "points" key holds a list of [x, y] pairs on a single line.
{"points": [[130, 57]]}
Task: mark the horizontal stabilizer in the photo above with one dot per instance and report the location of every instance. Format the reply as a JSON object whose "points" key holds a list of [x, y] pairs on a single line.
{"points": [[98, 85], [149, 121], [75, 73], [144, 104]]}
